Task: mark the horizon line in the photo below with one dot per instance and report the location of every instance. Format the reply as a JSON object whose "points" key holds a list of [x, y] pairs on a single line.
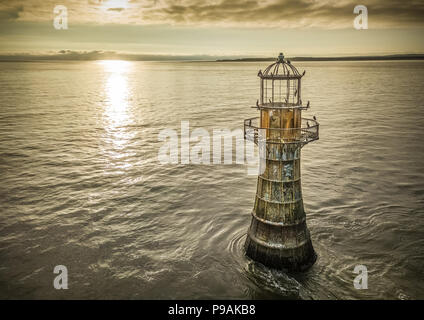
{"points": [[67, 55]]}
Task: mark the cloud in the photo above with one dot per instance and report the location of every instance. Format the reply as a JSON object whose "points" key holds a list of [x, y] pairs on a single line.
{"points": [[327, 14], [287, 13], [116, 9], [10, 13]]}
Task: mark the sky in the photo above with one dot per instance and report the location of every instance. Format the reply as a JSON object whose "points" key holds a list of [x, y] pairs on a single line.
{"points": [[214, 28]]}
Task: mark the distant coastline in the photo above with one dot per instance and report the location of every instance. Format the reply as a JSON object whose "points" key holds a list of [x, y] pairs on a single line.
{"points": [[68, 55], [348, 58]]}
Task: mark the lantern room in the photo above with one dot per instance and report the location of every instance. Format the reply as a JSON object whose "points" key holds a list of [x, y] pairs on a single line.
{"points": [[280, 85]]}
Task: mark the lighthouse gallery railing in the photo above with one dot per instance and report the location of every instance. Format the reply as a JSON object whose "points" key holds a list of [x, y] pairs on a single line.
{"points": [[309, 131]]}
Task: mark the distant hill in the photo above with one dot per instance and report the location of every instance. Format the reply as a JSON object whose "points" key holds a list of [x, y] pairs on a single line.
{"points": [[350, 58]]}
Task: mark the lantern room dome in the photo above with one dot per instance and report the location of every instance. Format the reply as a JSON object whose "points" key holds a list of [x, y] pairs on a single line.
{"points": [[281, 69]]}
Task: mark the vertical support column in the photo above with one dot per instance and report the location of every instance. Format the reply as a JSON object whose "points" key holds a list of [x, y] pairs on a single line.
{"points": [[262, 91], [298, 91]]}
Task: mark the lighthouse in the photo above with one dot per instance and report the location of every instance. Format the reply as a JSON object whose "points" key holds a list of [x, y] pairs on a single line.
{"points": [[278, 236]]}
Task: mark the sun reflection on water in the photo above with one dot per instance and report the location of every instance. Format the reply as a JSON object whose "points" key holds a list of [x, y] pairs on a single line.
{"points": [[117, 108]]}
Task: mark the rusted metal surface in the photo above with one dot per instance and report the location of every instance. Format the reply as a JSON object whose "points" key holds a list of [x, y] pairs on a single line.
{"points": [[278, 236]]}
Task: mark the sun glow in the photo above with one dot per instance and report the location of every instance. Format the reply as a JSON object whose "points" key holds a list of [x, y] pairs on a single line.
{"points": [[115, 66], [116, 4]]}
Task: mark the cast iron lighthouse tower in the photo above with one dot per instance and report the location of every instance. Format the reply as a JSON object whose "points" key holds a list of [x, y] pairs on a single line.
{"points": [[278, 236]]}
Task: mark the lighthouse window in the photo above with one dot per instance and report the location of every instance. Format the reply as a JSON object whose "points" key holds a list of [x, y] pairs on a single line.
{"points": [[268, 91]]}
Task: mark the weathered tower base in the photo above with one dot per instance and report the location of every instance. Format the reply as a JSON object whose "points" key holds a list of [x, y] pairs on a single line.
{"points": [[278, 236], [286, 257]]}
